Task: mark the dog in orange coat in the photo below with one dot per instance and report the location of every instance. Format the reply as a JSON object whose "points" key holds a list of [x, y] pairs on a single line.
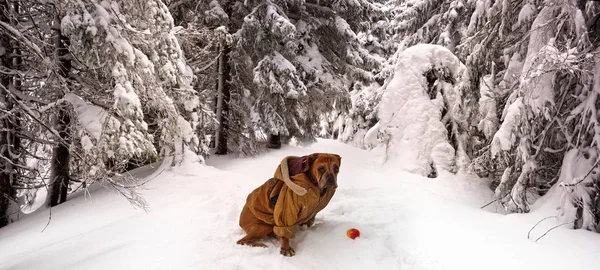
{"points": [[300, 188]]}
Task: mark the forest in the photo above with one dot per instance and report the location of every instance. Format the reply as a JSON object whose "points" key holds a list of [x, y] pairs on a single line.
{"points": [[503, 89]]}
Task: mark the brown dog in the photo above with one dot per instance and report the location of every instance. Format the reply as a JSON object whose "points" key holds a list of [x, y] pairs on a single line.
{"points": [[301, 187]]}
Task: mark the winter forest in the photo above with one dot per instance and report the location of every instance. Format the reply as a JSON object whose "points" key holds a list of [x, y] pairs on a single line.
{"points": [[502, 91]]}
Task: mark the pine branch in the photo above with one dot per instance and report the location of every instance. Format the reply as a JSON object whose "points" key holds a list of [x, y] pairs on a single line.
{"points": [[210, 64], [583, 178], [18, 36], [31, 113]]}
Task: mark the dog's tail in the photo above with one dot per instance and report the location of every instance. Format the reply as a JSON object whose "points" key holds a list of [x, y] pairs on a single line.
{"points": [[285, 174]]}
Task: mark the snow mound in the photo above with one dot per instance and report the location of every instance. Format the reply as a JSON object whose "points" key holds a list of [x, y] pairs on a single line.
{"points": [[414, 135]]}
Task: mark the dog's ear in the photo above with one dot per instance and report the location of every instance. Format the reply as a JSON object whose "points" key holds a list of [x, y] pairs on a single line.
{"points": [[308, 162], [339, 158]]}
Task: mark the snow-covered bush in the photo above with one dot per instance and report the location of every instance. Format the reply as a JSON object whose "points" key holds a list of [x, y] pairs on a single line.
{"points": [[417, 111]]}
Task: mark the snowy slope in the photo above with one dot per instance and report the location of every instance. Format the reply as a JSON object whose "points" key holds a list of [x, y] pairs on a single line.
{"points": [[406, 221]]}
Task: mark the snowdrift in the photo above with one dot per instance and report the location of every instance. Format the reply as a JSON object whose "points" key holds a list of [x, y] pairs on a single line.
{"points": [[406, 222]]}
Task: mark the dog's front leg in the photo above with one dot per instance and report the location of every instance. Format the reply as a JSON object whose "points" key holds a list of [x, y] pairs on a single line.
{"points": [[286, 250]]}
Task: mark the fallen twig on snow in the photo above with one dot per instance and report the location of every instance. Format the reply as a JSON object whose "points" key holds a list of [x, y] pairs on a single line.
{"points": [[529, 233], [487, 204], [549, 230]]}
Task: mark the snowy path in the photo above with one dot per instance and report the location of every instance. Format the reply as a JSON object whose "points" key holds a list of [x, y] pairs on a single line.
{"points": [[406, 222]]}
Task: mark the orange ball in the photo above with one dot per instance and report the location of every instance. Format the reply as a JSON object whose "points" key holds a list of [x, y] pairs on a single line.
{"points": [[353, 233]]}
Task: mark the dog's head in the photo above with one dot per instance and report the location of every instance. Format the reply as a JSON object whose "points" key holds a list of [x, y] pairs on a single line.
{"points": [[324, 169]]}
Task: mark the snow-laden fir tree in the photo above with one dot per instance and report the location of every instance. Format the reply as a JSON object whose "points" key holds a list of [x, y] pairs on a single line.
{"points": [[131, 66], [544, 116], [285, 65], [429, 21], [10, 146], [527, 93], [28, 75], [352, 125]]}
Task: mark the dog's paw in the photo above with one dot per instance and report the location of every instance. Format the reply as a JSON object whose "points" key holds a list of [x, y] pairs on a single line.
{"points": [[251, 243], [309, 223], [288, 252]]}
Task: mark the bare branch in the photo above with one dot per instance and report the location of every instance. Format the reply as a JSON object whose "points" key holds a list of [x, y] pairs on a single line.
{"points": [[529, 233], [551, 229]]}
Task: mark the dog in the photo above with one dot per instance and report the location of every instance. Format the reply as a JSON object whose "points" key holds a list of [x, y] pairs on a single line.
{"points": [[300, 188]]}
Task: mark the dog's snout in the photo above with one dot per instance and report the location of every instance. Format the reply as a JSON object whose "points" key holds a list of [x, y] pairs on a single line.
{"points": [[330, 181]]}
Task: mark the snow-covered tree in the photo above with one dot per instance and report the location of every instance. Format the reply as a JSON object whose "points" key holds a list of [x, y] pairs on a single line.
{"points": [[287, 64], [26, 88], [523, 105], [417, 115], [532, 135], [430, 21], [376, 36], [10, 146], [132, 48]]}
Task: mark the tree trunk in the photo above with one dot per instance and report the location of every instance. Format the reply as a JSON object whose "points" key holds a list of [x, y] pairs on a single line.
{"points": [[60, 176], [224, 88], [274, 141], [214, 104], [223, 101], [9, 141]]}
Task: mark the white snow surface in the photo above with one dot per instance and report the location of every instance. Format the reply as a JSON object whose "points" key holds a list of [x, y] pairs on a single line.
{"points": [[406, 222]]}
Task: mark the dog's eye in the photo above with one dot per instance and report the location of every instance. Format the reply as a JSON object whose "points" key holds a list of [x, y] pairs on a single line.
{"points": [[336, 169], [321, 169]]}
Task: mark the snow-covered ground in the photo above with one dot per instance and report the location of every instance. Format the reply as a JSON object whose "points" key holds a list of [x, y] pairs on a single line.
{"points": [[406, 222]]}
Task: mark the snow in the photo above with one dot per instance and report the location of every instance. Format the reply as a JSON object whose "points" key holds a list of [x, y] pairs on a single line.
{"points": [[410, 121], [187, 132], [126, 96], [279, 76], [574, 184], [216, 10], [580, 25], [282, 64], [370, 138], [343, 27], [91, 118], [487, 108], [476, 16], [314, 62], [513, 71], [406, 222], [504, 138], [539, 86], [279, 25], [527, 12]]}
